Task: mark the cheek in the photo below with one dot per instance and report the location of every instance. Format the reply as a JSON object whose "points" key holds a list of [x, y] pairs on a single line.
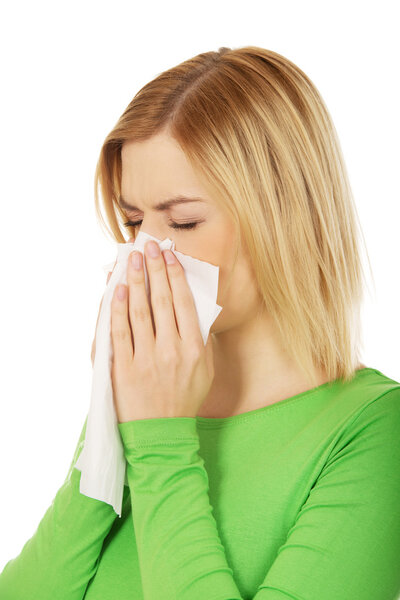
{"points": [[237, 293], [216, 244], [213, 243]]}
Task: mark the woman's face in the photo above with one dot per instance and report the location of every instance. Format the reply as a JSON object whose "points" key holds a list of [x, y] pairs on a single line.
{"points": [[157, 170]]}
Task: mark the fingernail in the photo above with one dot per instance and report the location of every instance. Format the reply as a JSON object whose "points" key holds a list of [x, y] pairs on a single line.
{"points": [[153, 249], [136, 260], [121, 292], [169, 257]]}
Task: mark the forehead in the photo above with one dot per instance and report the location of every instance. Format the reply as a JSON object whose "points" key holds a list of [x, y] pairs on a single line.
{"points": [[157, 170], [178, 200], [159, 153]]}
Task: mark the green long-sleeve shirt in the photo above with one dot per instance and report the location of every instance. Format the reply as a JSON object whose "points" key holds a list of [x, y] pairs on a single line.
{"points": [[298, 500]]}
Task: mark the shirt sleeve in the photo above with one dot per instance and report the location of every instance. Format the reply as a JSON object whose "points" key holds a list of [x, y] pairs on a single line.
{"points": [[179, 549], [59, 560], [345, 542]]}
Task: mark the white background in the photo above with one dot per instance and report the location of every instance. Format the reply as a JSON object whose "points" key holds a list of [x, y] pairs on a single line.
{"points": [[68, 72]]}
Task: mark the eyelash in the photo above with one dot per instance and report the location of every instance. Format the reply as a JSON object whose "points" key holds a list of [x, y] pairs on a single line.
{"points": [[173, 225]]}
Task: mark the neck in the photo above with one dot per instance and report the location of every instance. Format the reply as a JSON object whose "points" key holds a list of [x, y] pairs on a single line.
{"points": [[251, 370]]}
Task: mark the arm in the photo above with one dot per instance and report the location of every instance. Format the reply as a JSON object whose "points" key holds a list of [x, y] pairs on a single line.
{"points": [[179, 549], [344, 544], [61, 557]]}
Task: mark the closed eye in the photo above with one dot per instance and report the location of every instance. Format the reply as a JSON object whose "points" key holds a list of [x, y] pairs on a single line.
{"points": [[173, 225]]}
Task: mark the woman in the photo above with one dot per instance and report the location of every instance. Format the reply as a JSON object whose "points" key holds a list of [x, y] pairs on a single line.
{"points": [[265, 464]]}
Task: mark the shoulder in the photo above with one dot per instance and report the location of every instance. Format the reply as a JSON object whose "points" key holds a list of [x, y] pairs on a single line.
{"points": [[378, 422], [369, 394], [379, 404], [369, 440], [347, 532]]}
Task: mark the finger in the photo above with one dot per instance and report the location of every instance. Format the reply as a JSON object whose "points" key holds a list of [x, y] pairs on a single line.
{"points": [[161, 297], [93, 352], [185, 309], [111, 272], [139, 309], [121, 335], [108, 279]]}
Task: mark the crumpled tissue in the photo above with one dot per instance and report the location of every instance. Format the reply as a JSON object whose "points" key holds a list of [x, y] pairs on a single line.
{"points": [[102, 461]]}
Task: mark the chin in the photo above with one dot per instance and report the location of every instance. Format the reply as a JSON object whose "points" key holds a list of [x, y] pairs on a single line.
{"points": [[220, 325]]}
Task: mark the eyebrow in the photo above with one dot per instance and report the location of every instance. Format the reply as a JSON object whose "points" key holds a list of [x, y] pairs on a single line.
{"points": [[162, 205]]}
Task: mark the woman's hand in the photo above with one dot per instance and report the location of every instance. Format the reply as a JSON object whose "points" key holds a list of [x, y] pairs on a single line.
{"points": [[93, 352], [163, 373]]}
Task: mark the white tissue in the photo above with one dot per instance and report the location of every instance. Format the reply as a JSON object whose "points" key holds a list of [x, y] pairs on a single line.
{"points": [[102, 461]]}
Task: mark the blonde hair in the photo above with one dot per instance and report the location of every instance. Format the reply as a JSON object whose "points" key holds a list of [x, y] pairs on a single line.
{"points": [[260, 137]]}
